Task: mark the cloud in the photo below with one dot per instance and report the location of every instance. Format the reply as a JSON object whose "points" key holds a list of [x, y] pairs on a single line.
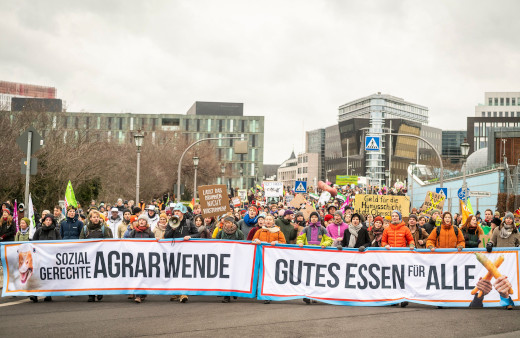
{"points": [[293, 62]]}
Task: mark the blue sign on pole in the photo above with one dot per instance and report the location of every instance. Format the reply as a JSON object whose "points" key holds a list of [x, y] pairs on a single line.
{"points": [[301, 187], [372, 143], [462, 194], [442, 191]]}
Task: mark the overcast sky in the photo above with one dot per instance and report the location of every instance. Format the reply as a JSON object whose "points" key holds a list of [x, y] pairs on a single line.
{"points": [[293, 62]]}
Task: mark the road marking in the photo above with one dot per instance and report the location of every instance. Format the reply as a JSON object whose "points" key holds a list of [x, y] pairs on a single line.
{"points": [[15, 302]]}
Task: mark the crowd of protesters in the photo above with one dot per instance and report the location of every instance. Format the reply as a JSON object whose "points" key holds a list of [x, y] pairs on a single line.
{"points": [[333, 224]]}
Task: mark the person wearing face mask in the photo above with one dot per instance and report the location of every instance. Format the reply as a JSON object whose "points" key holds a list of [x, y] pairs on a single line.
{"points": [[472, 232], [505, 235]]}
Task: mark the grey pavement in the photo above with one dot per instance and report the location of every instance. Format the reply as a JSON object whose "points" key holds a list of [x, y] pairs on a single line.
{"points": [[116, 316]]}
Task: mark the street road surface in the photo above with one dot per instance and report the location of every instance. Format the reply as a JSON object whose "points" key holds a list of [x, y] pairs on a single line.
{"points": [[116, 316]]}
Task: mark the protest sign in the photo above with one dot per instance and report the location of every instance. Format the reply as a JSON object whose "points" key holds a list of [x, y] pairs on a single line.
{"points": [[130, 266], [324, 198], [236, 201], [273, 189], [297, 201], [214, 200], [381, 205], [377, 277], [289, 198], [242, 194], [432, 201], [346, 179]]}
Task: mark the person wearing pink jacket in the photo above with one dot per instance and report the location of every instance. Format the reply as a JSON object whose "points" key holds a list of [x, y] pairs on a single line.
{"points": [[337, 228]]}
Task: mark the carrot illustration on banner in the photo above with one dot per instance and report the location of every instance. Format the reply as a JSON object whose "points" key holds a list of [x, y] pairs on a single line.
{"points": [[492, 268]]}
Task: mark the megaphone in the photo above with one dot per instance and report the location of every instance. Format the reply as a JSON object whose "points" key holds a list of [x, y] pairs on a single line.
{"points": [[174, 221]]}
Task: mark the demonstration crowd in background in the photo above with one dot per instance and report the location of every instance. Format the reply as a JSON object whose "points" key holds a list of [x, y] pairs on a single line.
{"points": [[334, 224]]}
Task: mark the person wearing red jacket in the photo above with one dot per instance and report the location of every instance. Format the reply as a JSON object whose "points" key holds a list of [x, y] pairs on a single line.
{"points": [[397, 234]]}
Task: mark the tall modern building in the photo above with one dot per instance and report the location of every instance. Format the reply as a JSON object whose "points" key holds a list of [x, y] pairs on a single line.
{"points": [[372, 116], [203, 120], [451, 141], [499, 110], [9, 90], [315, 143]]}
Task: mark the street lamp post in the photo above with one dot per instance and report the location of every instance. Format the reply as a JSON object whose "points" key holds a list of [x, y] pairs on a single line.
{"points": [[241, 178], [411, 185], [138, 138], [464, 150], [195, 164], [178, 197]]}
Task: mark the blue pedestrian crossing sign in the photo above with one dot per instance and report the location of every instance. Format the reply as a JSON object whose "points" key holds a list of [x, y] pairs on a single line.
{"points": [[372, 143], [300, 187], [442, 191]]}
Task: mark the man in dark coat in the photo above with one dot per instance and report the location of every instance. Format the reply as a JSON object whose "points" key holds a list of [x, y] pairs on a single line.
{"points": [[71, 226]]}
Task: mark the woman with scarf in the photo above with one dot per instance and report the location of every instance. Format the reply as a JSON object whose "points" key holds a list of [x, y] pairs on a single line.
{"points": [[356, 236], [201, 227], [506, 235], [376, 233], [259, 224], [209, 222], [161, 226], [249, 221], [142, 230], [472, 232], [7, 226], [47, 232]]}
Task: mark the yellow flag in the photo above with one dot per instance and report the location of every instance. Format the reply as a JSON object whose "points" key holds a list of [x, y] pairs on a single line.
{"points": [[465, 211]]}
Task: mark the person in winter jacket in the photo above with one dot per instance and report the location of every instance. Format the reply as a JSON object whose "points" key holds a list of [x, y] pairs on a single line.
{"points": [[314, 233], [114, 221], [152, 216], [337, 228], [71, 226], [183, 228], [299, 220], [506, 235], [23, 234], [123, 226], [433, 221], [472, 232], [142, 230], [259, 224], [249, 221], [376, 232], [229, 231], [446, 236], [201, 228], [7, 226], [47, 232], [287, 226], [397, 235], [420, 236], [356, 235], [209, 223], [269, 233], [95, 228], [160, 228]]}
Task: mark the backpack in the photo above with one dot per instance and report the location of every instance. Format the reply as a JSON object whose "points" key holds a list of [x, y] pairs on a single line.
{"points": [[85, 230], [438, 230]]}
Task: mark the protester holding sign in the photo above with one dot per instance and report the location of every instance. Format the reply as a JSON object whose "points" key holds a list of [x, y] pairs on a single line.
{"points": [[446, 236], [397, 235]]}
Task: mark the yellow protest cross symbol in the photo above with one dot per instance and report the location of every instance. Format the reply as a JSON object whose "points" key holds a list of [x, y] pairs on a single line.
{"points": [[491, 267], [432, 201]]}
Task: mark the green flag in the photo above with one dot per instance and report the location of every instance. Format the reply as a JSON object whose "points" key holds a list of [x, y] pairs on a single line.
{"points": [[70, 199]]}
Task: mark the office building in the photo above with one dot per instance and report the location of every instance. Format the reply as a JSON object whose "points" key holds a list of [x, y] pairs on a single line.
{"points": [[303, 167], [499, 110], [315, 143], [225, 120], [9, 90], [451, 141]]}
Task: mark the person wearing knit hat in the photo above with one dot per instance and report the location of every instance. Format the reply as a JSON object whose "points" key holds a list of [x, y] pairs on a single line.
{"points": [[435, 213], [327, 219], [504, 235], [287, 226], [397, 234], [259, 224], [23, 234], [376, 232]]}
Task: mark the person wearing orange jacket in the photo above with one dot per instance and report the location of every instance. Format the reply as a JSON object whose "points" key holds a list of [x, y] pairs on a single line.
{"points": [[269, 233], [446, 235], [397, 234]]}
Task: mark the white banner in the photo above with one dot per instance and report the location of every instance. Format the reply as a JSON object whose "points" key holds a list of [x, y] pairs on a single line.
{"points": [[273, 189], [129, 266], [379, 277]]}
